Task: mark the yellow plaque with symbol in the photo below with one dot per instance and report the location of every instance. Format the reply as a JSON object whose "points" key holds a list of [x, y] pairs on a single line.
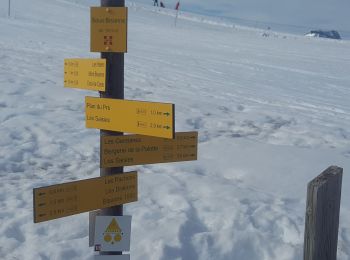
{"points": [[109, 29], [85, 74], [138, 117]]}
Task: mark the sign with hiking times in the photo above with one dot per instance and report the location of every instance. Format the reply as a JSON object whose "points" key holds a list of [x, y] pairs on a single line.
{"points": [[137, 117], [71, 198], [108, 29], [85, 74], [112, 233], [117, 151]]}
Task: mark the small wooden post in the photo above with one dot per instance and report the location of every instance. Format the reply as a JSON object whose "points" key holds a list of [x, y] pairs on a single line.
{"points": [[322, 215], [9, 11]]}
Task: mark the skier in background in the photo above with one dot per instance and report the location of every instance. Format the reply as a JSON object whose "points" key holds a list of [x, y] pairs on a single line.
{"points": [[155, 3], [177, 6], [161, 4]]}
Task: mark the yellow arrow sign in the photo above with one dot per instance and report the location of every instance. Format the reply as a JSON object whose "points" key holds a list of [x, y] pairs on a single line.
{"points": [[71, 198], [138, 117], [129, 150], [85, 74], [109, 29]]}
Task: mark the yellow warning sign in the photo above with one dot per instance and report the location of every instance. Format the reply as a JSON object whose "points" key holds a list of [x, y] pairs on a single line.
{"points": [[129, 150], [113, 227], [113, 233], [109, 29], [138, 117], [71, 198], [85, 74]]}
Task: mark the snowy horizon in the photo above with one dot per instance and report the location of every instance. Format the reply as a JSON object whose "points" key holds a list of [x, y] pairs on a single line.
{"points": [[293, 16]]}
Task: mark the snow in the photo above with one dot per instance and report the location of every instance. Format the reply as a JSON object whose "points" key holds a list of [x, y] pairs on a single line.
{"points": [[272, 113]]}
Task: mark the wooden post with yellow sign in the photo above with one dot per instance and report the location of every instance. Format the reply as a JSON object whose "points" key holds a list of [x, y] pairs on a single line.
{"points": [[153, 138], [114, 89]]}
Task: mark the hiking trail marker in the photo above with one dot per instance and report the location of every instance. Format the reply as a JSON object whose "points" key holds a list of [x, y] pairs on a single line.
{"points": [[76, 197], [129, 150], [112, 233], [138, 117], [85, 74], [108, 29]]}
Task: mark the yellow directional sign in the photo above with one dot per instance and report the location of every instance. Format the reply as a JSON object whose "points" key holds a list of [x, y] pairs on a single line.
{"points": [[129, 150], [138, 117], [85, 74], [109, 29], [71, 198]]}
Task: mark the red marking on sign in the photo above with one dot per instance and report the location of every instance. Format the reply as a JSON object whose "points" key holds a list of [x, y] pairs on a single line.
{"points": [[108, 40]]}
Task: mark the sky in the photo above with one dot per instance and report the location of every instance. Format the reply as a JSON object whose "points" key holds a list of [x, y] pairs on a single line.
{"points": [[313, 14]]}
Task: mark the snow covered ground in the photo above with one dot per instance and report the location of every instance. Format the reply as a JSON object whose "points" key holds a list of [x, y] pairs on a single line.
{"points": [[272, 113]]}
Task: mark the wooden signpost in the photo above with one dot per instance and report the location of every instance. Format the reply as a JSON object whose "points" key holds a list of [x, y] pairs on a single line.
{"points": [[71, 198], [147, 118], [85, 74], [153, 141], [140, 149], [109, 29]]}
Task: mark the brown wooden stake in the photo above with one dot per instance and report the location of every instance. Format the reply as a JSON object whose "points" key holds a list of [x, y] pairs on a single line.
{"points": [[322, 215]]}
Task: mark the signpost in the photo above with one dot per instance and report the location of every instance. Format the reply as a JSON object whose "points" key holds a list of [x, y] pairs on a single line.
{"points": [[71, 198], [147, 118], [139, 149], [112, 233], [109, 29], [85, 74], [157, 142]]}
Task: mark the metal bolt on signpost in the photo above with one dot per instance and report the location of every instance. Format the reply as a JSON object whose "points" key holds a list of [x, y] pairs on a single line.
{"points": [[114, 89]]}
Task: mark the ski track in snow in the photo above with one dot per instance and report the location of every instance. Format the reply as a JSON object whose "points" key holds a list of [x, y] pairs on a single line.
{"points": [[271, 112]]}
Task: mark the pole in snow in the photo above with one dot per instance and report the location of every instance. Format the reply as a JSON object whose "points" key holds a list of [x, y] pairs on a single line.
{"points": [[114, 89], [9, 13], [177, 11]]}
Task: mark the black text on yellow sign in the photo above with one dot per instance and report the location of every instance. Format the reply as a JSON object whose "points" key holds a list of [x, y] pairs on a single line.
{"points": [[129, 150], [109, 29], [137, 117], [71, 198], [85, 74]]}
